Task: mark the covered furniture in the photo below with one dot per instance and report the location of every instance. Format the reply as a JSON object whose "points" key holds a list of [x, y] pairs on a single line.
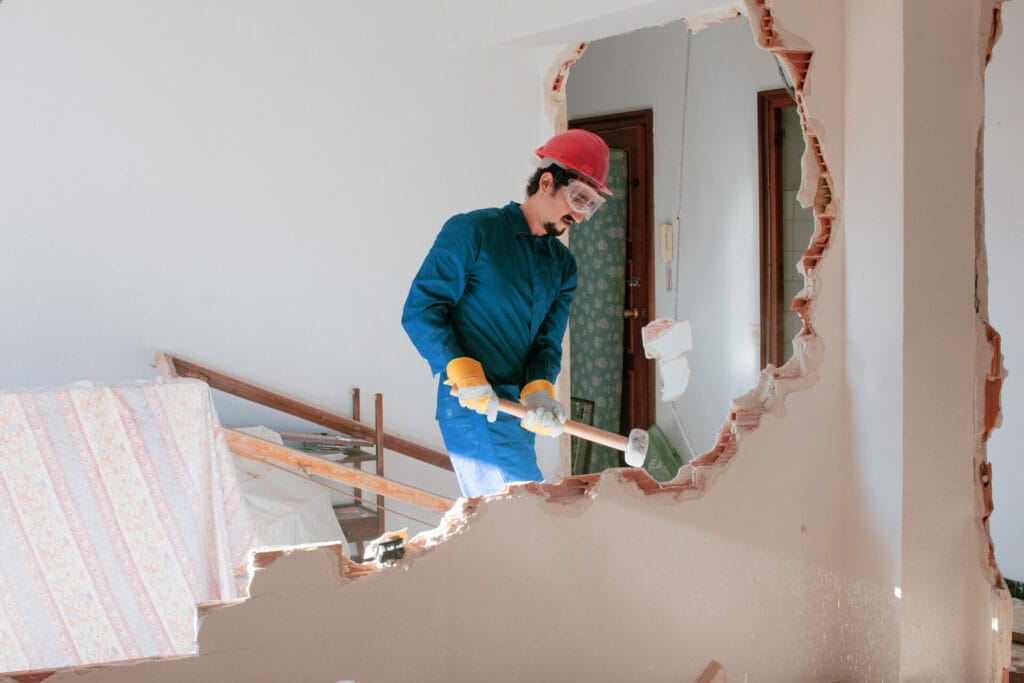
{"points": [[120, 510]]}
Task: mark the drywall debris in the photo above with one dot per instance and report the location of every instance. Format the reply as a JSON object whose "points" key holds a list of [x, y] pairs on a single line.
{"points": [[668, 341], [666, 338], [675, 376]]}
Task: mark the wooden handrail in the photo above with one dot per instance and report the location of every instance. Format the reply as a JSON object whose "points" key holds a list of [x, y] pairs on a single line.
{"points": [[170, 365], [254, 448]]}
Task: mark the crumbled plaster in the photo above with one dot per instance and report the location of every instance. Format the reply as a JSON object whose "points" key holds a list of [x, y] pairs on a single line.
{"points": [[699, 22], [989, 376], [800, 371], [554, 85]]}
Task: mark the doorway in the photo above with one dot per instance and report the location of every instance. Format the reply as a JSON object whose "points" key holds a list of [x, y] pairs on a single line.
{"points": [[612, 381], [786, 227]]}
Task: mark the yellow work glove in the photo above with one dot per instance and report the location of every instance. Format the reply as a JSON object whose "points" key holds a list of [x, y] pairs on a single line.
{"points": [[468, 383], [546, 415]]}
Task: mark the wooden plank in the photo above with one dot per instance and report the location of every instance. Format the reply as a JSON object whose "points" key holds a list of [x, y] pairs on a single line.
{"points": [[378, 424], [254, 448], [271, 399], [714, 673], [358, 493], [339, 440]]}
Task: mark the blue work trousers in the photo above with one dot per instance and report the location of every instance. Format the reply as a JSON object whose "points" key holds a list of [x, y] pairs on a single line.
{"points": [[485, 455]]}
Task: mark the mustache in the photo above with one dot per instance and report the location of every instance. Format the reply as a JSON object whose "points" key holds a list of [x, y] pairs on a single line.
{"points": [[553, 230]]}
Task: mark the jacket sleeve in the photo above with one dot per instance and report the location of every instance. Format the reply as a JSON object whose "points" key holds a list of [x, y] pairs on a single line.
{"points": [[437, 287], [545, 358]]}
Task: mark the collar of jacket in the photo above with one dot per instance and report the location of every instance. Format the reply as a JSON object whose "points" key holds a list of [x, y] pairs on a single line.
{"points": [[521, 228]]}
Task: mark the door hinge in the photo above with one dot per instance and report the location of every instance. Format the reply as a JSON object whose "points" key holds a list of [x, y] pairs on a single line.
{"points": [[633, 282]]}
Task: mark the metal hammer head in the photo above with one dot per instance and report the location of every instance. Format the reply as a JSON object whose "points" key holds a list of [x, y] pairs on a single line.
{"points": [[636, 450]]}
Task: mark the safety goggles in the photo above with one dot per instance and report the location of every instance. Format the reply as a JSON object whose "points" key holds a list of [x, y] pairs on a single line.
{"points": [[582, 198]]}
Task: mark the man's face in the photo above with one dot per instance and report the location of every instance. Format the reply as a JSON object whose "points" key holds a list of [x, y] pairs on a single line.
{"points": [[561, 214], [556, 212]]}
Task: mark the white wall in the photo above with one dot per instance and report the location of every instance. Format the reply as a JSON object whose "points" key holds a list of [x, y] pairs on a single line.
{"points": [[716, 278], [1004, 234], [252, 186], [940, 356], [873, 302]]}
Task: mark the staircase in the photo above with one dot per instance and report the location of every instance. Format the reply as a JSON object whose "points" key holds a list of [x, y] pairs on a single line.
{"points": [[337, 456]]}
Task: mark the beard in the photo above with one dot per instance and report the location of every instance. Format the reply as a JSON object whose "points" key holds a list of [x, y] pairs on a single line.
{"points": [[553, 230]]}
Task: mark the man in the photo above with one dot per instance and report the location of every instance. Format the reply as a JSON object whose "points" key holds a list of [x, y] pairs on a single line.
{"points": [[488, 310]]}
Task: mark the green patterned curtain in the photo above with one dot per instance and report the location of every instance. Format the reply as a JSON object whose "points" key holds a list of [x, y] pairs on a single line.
{"points": [[596, 321]]}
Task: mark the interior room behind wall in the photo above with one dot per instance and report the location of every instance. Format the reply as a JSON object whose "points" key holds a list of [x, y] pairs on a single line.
{"points": [[702, 89]]}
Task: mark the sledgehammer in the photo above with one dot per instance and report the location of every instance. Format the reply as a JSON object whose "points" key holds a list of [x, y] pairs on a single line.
{"points": [[634, 446]]}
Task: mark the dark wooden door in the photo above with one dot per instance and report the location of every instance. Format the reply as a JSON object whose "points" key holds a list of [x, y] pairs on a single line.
{"points": [[632, 132], [770, 104]]}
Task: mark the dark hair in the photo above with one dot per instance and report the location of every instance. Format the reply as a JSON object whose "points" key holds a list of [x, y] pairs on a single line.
{"points": [[560, 175]]}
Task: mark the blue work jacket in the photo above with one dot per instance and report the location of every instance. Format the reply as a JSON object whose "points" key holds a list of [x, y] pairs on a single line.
{"points": [[491, 290]]}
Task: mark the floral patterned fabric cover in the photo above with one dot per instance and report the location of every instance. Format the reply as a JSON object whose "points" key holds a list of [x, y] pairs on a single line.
{"points": [[119, 511]]}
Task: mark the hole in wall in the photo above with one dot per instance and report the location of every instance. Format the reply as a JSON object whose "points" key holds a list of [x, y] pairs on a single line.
{"points": [[703, 231]]}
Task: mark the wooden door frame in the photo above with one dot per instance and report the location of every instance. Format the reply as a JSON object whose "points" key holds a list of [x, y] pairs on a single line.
{"points": [[770, 104], [634, 131]]}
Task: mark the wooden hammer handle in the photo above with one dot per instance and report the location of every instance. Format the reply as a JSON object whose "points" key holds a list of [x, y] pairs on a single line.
{"points": [[616, 441]]}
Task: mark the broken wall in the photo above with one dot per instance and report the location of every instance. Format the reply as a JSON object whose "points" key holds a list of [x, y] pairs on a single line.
{"points": [[536, 590], [1004, 235], [715, 283]]}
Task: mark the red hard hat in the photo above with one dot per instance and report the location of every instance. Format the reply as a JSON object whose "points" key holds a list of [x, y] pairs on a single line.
{"points": [[580, 151]]}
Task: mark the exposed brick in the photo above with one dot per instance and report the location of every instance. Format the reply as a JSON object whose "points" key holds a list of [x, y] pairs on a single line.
{"points": [[993, 382], [800, 62]]}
